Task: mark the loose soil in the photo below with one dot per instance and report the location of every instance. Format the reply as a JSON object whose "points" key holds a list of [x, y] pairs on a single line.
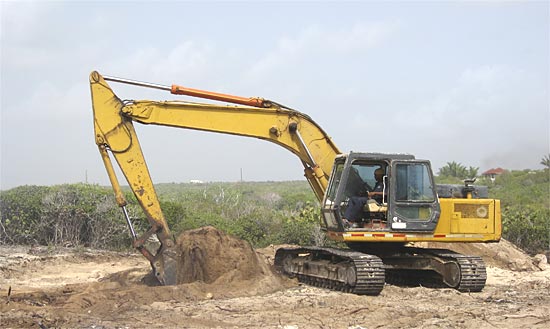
{"points": [[227, 284]]}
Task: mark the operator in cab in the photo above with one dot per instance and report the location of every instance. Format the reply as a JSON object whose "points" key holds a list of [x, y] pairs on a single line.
{"points": [[355, 210], [377, 192]]}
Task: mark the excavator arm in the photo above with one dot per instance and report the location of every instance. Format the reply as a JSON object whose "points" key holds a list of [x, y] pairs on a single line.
{"points": [[266, 120]]}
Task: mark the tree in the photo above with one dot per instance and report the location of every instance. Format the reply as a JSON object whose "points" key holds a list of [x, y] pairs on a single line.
{"points": [[545, 161], [472, 172], [453, 169], [457, 170]]}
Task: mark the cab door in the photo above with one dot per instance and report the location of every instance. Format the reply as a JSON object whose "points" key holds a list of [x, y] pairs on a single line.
{"points": [[413, 200], [330, 210]]}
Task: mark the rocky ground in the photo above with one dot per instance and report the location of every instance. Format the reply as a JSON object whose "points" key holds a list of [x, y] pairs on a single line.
{"points": [[78, 288]]}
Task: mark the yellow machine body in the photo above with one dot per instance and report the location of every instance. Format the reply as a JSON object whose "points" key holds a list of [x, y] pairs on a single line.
{"points": [[459, 219]]}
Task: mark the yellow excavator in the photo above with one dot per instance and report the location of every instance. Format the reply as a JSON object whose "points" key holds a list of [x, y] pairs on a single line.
{"points": [[377, 204]]}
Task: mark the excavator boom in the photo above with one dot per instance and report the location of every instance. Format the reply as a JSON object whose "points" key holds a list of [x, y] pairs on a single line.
{"points": [[115, 134]]}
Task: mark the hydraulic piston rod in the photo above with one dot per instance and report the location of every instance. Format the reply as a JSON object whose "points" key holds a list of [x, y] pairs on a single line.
{"points": [[180, 90]]}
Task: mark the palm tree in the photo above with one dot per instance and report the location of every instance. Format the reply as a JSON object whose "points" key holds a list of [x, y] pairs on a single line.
{"points": [[456, 169], [472, 172], [545, 161], [453, 169]]}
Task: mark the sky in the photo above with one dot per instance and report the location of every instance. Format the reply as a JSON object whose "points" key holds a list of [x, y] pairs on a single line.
{"points": [[446, 81]]}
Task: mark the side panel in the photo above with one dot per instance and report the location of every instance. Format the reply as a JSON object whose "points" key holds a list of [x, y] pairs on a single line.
{"points": [[460, 221], [469, 216]]}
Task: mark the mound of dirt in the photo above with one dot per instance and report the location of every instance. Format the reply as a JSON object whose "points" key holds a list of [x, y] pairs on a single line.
{"points": [[228, 264], [502, 254]]}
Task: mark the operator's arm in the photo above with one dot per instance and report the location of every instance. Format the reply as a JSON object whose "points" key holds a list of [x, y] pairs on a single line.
{"points": [[378, 193]]}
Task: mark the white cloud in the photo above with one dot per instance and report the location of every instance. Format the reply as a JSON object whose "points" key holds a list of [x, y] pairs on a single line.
{"points": [[315, 41], [187, 59], [21, 20]]}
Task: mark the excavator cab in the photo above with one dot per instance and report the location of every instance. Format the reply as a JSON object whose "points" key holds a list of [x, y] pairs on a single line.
{"points": [[381, 192]]}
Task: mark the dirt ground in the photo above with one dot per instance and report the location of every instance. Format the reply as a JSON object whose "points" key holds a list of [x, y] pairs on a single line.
{"points": [[68, 288]]}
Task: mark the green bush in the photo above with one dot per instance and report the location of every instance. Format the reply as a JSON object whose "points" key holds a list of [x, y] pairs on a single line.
{"points": [[527, 227], [525, 201], [301, 229], [67, 215], [261, 213], [20, 212]]}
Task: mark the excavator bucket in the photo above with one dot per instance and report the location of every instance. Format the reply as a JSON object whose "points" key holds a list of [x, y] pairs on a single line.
{"points": [[165, 265]]}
